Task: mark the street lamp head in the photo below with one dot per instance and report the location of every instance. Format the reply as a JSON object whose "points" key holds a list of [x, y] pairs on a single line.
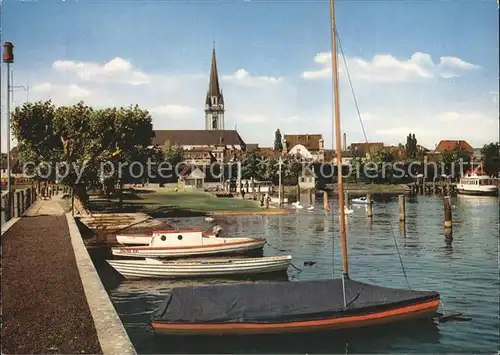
{"points": [[8, 52]]}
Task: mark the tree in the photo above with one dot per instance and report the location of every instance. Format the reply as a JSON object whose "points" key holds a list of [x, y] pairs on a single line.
{"points": [[454, 160], [411, 146], [82, 138], [491, 158], [173, 153], [250, 165], [278, 141]]}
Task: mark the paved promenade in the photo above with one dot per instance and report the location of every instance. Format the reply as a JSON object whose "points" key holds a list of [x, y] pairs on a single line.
{"points": [[51, 299]]}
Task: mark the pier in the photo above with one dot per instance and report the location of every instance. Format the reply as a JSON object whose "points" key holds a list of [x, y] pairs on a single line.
{"points": [[52, 298]]}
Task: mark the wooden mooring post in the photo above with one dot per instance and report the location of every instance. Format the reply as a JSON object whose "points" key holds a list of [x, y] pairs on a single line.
{"points": [[346, 199], [298, 192], [369, 211], [402, 208], [448, 220], [311, 197], [325, 201]]}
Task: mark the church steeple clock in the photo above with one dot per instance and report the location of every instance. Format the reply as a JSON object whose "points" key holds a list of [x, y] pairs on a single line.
{"points": [[214, 102]]}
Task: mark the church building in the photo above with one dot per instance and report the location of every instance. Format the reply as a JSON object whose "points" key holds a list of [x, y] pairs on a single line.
{"points": [[214, 143]]}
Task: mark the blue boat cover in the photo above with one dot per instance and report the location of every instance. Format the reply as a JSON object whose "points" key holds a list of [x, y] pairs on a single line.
{"points": [[275, 302]]}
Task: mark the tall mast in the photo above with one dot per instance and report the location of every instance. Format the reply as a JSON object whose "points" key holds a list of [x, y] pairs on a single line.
{"points": [[343, 239]]}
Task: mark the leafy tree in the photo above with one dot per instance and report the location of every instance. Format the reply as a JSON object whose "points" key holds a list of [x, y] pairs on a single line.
{"points": [[292, 168], [82, 137], [173, 153], [411, 146], [491, 158], [278, 141], [454, 160], [250, 165]]}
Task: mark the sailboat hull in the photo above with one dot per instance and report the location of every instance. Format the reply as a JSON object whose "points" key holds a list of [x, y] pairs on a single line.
{"points": [[278, 311]]}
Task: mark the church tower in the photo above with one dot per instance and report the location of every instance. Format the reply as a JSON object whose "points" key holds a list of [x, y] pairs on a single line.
{"points": [[214, 103]]}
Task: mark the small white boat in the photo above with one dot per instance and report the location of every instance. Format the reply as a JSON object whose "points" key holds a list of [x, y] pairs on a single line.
{"points": [[134, 239], [477, 183], [360, 201], [310, 208], [209, 219], [184, 243], [154, 268]]}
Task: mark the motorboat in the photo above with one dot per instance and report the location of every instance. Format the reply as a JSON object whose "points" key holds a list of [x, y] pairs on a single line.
{"points": [[187, 242]]}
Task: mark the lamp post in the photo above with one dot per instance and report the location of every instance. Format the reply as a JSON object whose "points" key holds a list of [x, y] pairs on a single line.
{"points": [[8, 58], [279, 181]]}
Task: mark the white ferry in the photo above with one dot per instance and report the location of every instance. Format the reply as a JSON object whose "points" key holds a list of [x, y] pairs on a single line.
{"points": [[477, 183]]}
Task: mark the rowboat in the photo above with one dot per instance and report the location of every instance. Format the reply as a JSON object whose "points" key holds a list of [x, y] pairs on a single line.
{"points": [[210, 267], [184, 243]]}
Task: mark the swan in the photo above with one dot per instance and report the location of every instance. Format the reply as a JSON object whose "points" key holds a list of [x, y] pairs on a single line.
{"points": [[209, 219], [347, 210]]}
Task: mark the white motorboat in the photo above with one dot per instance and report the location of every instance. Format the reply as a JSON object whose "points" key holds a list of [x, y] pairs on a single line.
{"points": [[134, 239], [211, 267], [141, 239], [185, 243], [475, 183], [360, 201]]}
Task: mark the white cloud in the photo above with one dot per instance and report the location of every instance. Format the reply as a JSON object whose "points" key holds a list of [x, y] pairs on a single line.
{"points": [[117, 70], [254, 118], [243, 77], [386, 68], [494, 96], [173, 111], [43, 87], [74, 91], [399, 132], [258, 105]]}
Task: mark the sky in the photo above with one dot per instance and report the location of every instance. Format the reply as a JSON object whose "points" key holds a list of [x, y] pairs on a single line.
{"points": [[427, 67]]}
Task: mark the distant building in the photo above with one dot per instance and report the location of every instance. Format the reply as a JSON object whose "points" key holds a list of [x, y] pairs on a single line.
{"points": [[306, 146], [365, 150], [450, 145], [203, 147], [214, 143], [347, 157]]}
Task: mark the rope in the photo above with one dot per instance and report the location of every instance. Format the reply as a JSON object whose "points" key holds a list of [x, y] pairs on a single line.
{"points": [[399, 254], [366, 139], [351, 86]]}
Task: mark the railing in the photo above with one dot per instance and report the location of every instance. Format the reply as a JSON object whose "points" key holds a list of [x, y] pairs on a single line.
{"points": [[22, 199]]}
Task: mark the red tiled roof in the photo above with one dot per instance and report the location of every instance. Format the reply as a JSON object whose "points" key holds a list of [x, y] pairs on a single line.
{"points": [[309, 141], [449, 145], [267, 152]]}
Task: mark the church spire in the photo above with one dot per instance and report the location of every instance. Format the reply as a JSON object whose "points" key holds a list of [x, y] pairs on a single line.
{"points": [[213, 86], [214, 102]]}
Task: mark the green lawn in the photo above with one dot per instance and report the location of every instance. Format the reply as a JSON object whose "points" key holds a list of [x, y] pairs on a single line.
{"points": [[165, 202]]}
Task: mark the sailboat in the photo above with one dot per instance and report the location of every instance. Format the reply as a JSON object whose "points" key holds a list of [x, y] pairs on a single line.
{"points": [[299, 306]]}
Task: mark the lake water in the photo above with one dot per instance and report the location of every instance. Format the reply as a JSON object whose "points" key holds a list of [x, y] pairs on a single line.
{"points": [[466, 274]]}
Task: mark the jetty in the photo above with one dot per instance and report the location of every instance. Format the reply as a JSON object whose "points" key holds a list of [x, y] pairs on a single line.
{"points": [[52, 297]]}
